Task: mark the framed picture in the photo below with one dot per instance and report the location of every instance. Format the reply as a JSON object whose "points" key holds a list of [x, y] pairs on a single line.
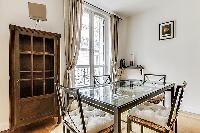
{"points": [[166, 30]]}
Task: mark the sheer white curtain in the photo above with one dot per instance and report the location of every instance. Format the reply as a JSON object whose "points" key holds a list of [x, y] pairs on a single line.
{"points": [[73, 24], [114, 23]]}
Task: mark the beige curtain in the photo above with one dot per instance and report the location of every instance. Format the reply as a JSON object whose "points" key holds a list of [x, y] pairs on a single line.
{"points": [[114, 22], [73, 24]]}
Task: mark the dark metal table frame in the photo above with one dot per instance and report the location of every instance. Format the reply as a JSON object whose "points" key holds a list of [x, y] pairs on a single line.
{"points": [[116, 111]]}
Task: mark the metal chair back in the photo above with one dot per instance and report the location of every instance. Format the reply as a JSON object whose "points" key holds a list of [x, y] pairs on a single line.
{"points": [[176, 104], [102, 80], [63, 96], [154, 78]]}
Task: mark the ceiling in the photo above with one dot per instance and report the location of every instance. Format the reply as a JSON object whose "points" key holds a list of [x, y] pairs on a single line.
{"points": [[126, 7]]}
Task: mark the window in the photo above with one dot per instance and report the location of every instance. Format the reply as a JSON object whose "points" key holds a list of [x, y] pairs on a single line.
{"points": [[93, 56]]}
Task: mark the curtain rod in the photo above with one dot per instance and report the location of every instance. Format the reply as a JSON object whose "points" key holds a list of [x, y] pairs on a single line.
{"points": [[101, 9]]}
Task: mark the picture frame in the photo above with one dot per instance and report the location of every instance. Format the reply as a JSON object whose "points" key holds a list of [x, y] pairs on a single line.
{"points": [[166, 30]]}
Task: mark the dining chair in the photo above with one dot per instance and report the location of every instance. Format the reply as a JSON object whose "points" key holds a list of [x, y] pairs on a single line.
{"points": [[84, 119], [156, 79], [157, 117], [102, 79]]}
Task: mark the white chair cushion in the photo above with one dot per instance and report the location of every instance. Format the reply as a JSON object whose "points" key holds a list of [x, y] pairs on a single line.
{"points": [[152, 112], [124, 116], [95, 120]]}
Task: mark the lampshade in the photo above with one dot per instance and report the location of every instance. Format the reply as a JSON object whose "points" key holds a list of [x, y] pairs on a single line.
{"points": [[37, 11]]}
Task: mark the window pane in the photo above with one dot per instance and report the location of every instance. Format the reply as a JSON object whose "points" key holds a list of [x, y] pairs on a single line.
{"points": [[90, 61], [98, 40], [83, 58], [99, 61], [99, 70], [82, 69]]}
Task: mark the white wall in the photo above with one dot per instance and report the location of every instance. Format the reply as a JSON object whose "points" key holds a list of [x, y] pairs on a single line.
{"points": [[124, 53], [179, 58], [123, 29], [16, 12]]}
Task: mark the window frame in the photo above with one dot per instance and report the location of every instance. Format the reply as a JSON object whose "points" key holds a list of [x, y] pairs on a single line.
{"points": [[107, 48]]}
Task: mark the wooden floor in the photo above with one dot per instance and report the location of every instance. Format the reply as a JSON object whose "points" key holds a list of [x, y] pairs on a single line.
{"points": [[45, 126], [185, 125]]}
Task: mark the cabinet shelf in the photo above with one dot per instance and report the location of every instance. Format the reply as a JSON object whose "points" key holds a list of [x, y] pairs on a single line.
{"points": [[50, 54], [24, 71], [25, 52], [38, 53], [37, 71], [50, 78], [25, 79], [38, 78], [33, 71]]}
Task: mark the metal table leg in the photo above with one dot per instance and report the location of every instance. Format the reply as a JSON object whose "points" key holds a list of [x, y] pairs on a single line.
{"points": [[117, 121], [172, 95], [176, 130]]}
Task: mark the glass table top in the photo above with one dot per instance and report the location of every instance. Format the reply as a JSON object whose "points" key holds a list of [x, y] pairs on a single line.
{"points": [[121, 92]]}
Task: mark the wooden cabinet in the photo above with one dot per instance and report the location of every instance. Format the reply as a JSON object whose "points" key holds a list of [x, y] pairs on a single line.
{"points": [[34, 68]]}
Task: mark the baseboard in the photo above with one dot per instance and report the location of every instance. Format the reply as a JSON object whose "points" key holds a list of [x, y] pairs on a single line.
{"points": [[189, 115], [4, 127]]}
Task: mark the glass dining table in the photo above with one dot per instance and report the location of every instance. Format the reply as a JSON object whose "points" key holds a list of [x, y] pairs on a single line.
{"points": [[121, 96]]}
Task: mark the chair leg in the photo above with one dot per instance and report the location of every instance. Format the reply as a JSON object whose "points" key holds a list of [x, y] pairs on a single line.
{"points": [[175, 126], [128, 125], [142, 129], [59, 120], [68, 131], [164, 100], [64, 130]]}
